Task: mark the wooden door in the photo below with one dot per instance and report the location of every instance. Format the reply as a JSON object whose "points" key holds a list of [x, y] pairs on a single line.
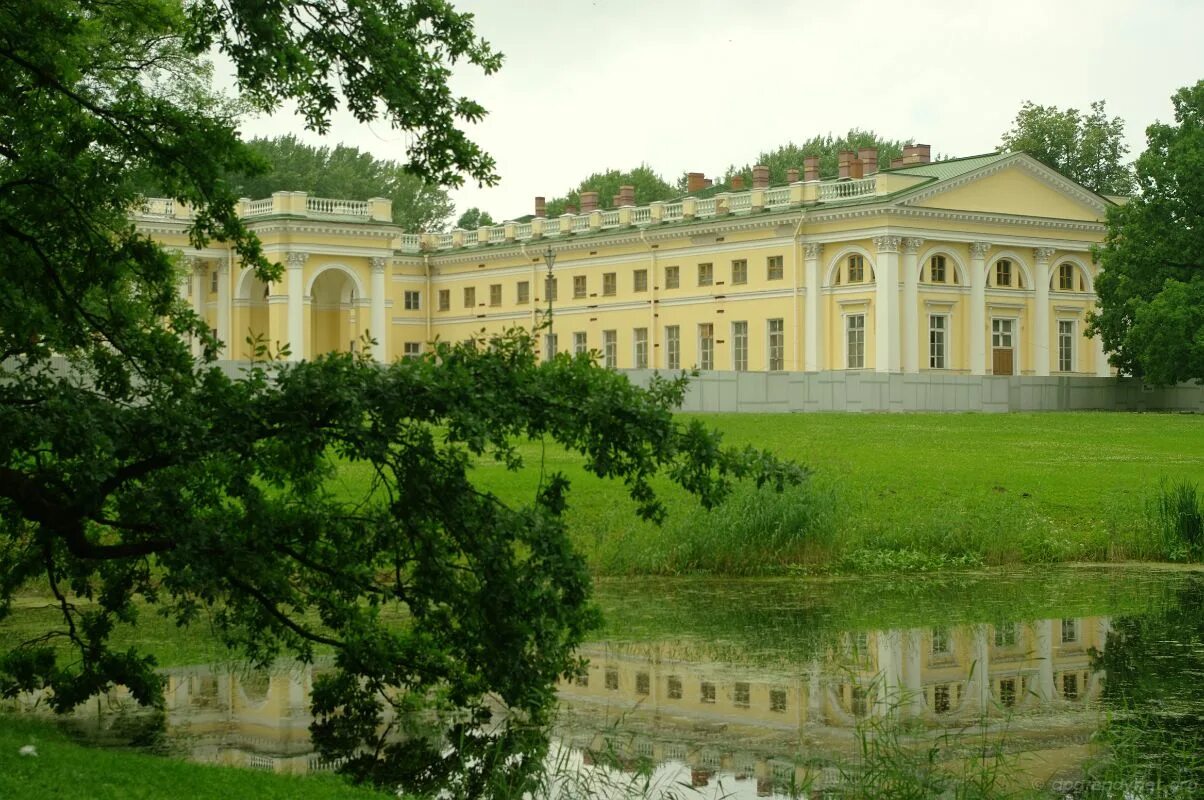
{"points": [[1002, 361]]}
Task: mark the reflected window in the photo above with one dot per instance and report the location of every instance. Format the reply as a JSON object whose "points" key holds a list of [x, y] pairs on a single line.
{"points": [[777, 700], [741, 695], [641, 683], [708, 692], [1005, 634], [940, 641], [1070, 631], [582, 679], [1070, 686], [674, 687], [860, 706], [941, 698], [1007, 692], [612, 678]]}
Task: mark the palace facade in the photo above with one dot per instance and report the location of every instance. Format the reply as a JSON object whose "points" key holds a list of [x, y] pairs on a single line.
{"points": [[975, 266]]}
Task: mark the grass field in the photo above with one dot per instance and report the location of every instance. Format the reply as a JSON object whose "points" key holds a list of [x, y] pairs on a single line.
{"points": [[64, 768], [898, 492]]}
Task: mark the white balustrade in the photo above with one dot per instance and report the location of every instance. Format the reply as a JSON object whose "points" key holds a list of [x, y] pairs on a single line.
{"points": [[777, 197], [705, 208], [497, 234], [335, 207], [580, 224], [523, 230], [739, 202], [158, 207], [641, 215], [672, 212], [843, 190], [610, 219], [411, 243], [444, 241], [258, 208]]}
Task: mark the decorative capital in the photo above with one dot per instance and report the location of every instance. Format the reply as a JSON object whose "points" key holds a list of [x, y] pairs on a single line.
{"points": [[980, 249], [887, 244], [192, 263], [378, 264], [296, 259], [813, 250], [1043, 254], [911, 245]]}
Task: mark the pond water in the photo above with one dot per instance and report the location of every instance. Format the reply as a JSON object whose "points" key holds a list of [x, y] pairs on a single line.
{"points": [[1069, 682]]}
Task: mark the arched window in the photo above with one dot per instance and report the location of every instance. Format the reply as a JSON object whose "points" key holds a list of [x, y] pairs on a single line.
{"points": [[1069, 279], [856, 269]]}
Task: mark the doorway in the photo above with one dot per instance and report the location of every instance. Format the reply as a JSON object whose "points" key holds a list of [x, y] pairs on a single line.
{"points": [[1003, 346]]}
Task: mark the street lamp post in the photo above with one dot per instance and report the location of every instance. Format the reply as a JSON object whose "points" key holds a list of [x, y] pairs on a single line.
{"points": [[549, 258]]}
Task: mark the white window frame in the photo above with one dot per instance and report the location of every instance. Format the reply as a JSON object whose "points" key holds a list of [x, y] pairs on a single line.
{"points": [[522, 293], [580, 286], [709, 350], [771, 268], [672, 347], [709, 271], [610, 284], [740, 346], [675, 271], [412, 299], [610, 349], [944, 341], [1074, 336], [580, 343], [445, 299], [743, 262], [411, 350], [495, 294], [1015, 334], [848, 319], [551, 345], [775, 341], [639, 348], [638, 277]]}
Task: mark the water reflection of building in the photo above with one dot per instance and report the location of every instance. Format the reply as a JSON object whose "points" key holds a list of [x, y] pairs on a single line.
{"points": [[664, 703]]}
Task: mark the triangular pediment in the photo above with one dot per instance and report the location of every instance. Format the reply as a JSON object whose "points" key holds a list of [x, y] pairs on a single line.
{"points": [[1016, 186]]}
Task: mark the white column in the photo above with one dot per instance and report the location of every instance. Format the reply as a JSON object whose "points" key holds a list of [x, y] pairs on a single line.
{"points": [[1102, 368], [978, 308], [815, 700], [980, 684], [223, 309], [1041, 255], [197, 270], [296, 305], [890, 672], [380, 331], [913, 675], [1044, 630], [887, 351], [911, 305], [813, 360]]}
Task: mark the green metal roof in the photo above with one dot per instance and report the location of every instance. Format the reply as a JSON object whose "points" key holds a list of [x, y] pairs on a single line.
{"points": [[943, 170]]}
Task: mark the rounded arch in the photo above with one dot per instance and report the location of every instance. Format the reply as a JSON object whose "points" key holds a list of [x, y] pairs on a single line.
{"points": [[959, 266], [1083, 270], [343, 268], [843, 253], [1026, 272], [250, 287]]}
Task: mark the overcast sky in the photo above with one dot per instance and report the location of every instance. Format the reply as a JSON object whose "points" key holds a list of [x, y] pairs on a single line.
{"points": [[696, 85]]}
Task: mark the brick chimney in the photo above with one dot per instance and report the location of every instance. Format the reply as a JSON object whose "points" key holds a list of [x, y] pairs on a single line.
{"points": [[792, 176], [856, 168], [626, 195], [568, 209], [869, 158], [616, 200], [896, 162], [707, 183], [737, 183], [760, 177], [589, 202], [917, 154], [695, 182], [811, 168], [845, 160], [541, 207]]}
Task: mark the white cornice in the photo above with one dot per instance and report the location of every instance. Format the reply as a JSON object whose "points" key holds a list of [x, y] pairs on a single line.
{"points": [[326, 228], [341, 251]]}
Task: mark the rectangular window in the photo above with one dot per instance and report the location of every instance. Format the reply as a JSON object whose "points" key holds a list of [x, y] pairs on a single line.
{"points": [[495, 294], [1070, 631], [777, 345], [1005, 634], [936, 269], [549, 288], [706, 274], [1066, 339], [672, 277], [1070, 686], [213, 281], [610, 349], [580, 347], [1066, 277], [672, 347], [741, 695], [854, 348], [411, 350], [582, 679], [740, 346], [551, 343], [444, 299], [579, 286], [1003, 272], [777, 700], [1007, 692], [639, 346], [941, 701], [860, 706], [856, 269], [470, 297], [612, 678], [938, 326], [706, 346], [610, 284], [642, 683], [412, 300], [674, 687], [708, 692], [739, 271], [524, 293], [940, 641], [639, 280], [773, 268], [1001, 333]]}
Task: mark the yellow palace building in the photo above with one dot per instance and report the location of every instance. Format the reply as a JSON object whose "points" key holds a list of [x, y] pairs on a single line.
{"points": [[976, 266]]}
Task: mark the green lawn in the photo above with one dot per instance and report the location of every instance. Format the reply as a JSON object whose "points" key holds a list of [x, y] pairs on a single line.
{"points": [[901, 491], [63, 768]]}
